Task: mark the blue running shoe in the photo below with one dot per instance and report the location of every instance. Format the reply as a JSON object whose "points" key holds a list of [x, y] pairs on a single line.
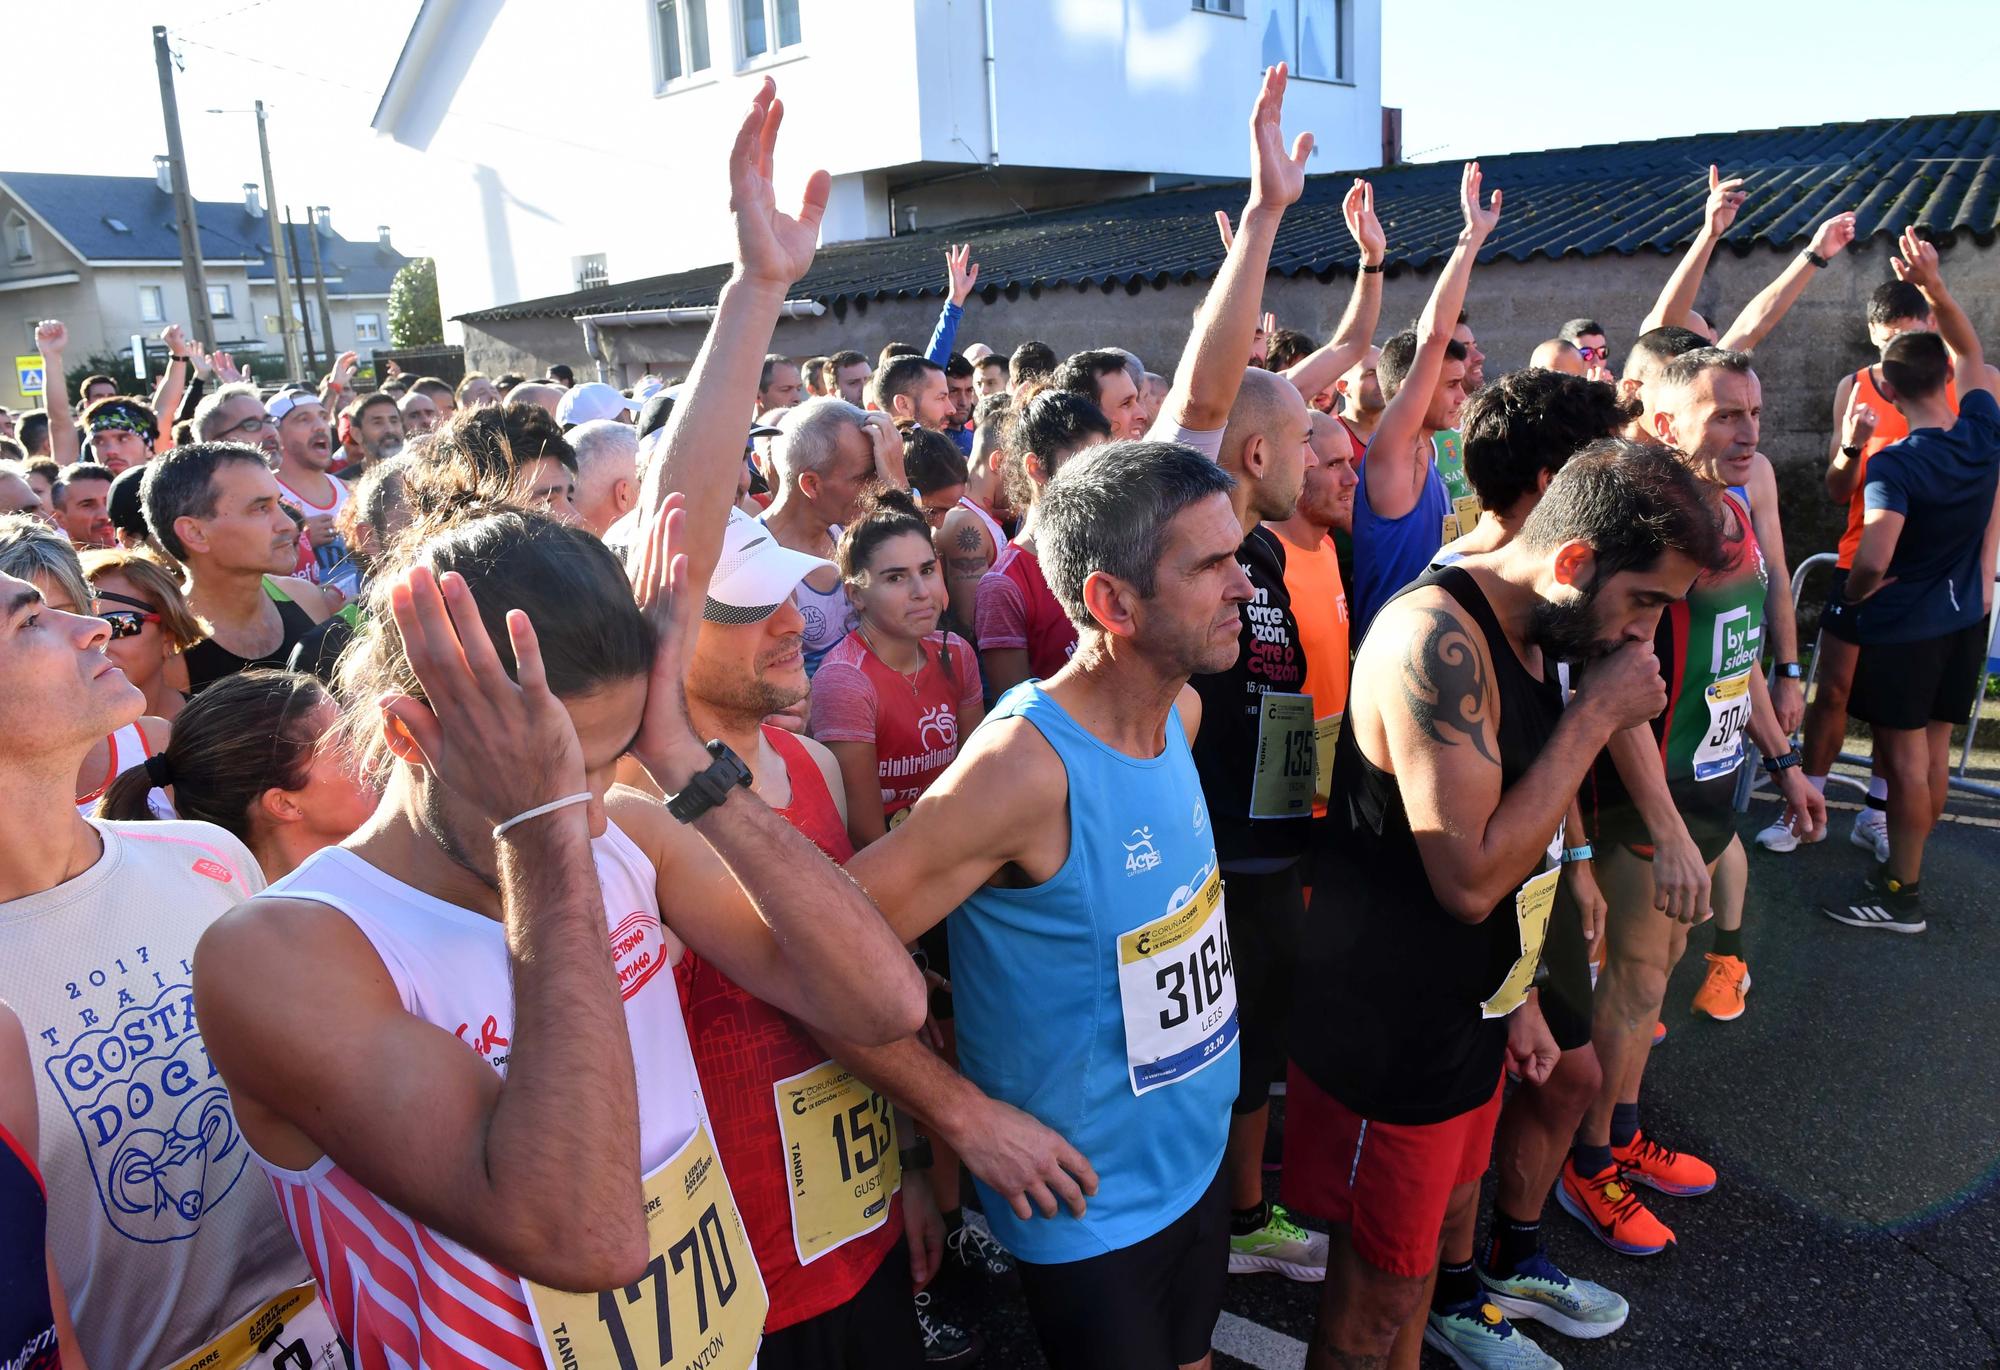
{"points": [[1538, 1290], [1477, 1336]]}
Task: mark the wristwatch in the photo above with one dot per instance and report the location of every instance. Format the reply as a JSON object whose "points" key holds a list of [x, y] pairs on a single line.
{"points": [[1774, 764], [711, 787], [1789, 670], [1821, 262], [1374, 270], [1851, 452], [917, 1157], [1582, 853]]}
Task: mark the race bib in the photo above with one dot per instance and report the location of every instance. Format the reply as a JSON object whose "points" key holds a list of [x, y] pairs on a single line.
{"points": [[1177, 986], [1326, 732], [1465, 511], [701, 1300], [1721, 749], [291, 1332], [1282, 784], [1532, 903], [1449, 534], [840, 1157]]}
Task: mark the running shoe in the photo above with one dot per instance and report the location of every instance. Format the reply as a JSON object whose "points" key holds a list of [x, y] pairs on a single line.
{"points": [[1659, 1032], [945, 1343], [1477, 1336], [1280, 1246], [1540, 1291], [1871, 833], [975, 1251], [1779, 837], [1607, 1205], [1722, 989], [1884, 905], [1646, 1162]]}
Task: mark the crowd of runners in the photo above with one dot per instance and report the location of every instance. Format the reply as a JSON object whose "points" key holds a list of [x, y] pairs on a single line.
{"points": [[536, 873]]}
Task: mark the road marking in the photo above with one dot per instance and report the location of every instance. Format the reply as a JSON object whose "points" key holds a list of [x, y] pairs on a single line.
{"points": [[1255, 1344]]}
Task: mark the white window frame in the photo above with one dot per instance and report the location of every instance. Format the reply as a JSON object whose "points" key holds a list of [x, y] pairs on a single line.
{"points": [[1343, 42], [228, 309], [1232, 9], [663, 82], [155, 297], [367, 328], [20, 238], [774, 52]]}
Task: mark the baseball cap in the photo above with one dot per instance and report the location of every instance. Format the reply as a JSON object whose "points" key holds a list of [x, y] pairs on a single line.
{"points": [[647, 387], [755, 574], [659, 407], [589, 401], [285, 401], [127, 511]]}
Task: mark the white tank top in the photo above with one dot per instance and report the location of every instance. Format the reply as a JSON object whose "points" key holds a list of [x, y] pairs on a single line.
{"points": [[128, 749], [992, 524], [375, 1264]]}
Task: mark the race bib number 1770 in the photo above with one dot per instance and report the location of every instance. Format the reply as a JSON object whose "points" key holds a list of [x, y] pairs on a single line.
{"points": [[1177, 986]]}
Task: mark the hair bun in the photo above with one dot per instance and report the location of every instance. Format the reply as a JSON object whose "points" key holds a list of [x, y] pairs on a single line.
{"points": [[159, 770]]}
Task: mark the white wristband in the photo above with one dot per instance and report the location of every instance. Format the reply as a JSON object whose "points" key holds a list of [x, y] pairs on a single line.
{"points": [[500, 829]]}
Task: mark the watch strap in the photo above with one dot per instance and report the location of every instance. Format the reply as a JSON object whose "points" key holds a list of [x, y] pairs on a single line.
{"points": [[1821, 262], [709, 788], [1375, 270], [1582, 853], [1774, 764]]}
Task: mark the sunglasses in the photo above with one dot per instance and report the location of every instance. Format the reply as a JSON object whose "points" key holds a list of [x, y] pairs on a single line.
{"points": [[127, 622], [1595, 354]]}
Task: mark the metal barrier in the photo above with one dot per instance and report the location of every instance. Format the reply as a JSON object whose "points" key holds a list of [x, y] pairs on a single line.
{"points": [[1747, 779]]}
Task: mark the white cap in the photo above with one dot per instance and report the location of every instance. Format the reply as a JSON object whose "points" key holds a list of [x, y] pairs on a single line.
{"points": [[285, 401], [591, 400], [645, 389], [755, 574]]}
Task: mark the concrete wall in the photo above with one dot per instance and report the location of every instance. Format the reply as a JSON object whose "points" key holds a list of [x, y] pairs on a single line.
{"points": [[1513, 307]]}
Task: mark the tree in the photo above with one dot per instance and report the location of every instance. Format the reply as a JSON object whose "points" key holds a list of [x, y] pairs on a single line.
{"points": [[416, 319]]}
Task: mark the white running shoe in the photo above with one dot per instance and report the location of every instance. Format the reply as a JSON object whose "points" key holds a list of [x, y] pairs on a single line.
{"points": [[1779, 837], [1871, 833]]}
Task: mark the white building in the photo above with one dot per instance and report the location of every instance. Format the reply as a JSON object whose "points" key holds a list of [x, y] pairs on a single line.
{"points": [[924, 111]]}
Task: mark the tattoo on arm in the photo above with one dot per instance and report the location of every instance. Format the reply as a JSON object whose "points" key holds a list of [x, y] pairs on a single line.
{"points": [[968, 538], [965, 568], [1444, 683]]}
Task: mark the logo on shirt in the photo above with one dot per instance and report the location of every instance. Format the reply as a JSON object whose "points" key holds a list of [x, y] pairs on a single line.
{"points": [[1735, 642], [1200, 815], [938, 727], [1140, 853], [214, 870], [637, 952]]}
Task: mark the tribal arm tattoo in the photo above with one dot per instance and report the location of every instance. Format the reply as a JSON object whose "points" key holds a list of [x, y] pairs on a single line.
{"points": [[1444, 683]]}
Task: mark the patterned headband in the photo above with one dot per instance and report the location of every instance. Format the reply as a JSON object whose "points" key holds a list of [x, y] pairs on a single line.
{"points": [[120, 417]]}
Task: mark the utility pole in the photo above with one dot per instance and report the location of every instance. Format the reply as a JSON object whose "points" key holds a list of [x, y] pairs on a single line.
{"points": [[319, 286], [280, 261], [200, 326], [305, 309]]}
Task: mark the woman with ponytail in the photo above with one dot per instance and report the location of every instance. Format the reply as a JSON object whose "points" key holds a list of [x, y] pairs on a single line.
{"points": [[257, 754]]}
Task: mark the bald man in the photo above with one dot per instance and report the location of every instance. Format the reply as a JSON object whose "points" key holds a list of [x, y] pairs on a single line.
{"points": [[537, 392], [1560, 356]]}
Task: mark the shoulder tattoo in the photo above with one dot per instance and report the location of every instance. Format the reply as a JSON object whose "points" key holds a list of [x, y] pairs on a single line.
{"points": [[968, 537], [1444, 683]]}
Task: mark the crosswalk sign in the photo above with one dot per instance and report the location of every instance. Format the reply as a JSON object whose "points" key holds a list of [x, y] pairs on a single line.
{"points": [[29, 371]]}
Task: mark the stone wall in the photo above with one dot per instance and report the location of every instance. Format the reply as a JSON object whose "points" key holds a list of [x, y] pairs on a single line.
{"points": [[1513, 305]]}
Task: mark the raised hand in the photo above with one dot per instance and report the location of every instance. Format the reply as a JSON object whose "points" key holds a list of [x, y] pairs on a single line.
{"points": [[226, 369], [961, 271], [1277, 177], [1222, 226], [666, 744], [1916, 263], [1831, 237], [176, 340], [885, 442], [1260, 341], [1724, 199], [1480, 220], [51, 338], [1357, 207], [1859, 423], [771, 246], [342, 375]]}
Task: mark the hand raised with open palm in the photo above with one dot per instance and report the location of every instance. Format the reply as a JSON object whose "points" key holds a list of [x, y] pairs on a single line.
{"points": [[771, 245]]}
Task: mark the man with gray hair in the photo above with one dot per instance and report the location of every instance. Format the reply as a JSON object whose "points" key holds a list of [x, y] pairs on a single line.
{"points": [[828, 453], [607, 472], [1140, 542], [235, 413]]}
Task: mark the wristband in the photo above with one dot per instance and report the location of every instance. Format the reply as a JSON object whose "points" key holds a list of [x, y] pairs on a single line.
{"points": [[1821, 262], [1789, 670], [918, 1157], [1368, 270], [1582, 853], [500, 829], [1774, 764]]}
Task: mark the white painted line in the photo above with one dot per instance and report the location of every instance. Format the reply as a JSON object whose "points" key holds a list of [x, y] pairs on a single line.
{"points": [[1255, 1344]]}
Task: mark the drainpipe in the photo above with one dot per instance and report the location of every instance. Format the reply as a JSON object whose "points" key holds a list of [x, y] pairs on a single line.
{"points": [[992, 90]]}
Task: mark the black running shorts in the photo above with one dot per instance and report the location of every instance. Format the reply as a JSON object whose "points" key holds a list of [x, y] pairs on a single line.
{"points": [[1909, 685], [1264, 913]]}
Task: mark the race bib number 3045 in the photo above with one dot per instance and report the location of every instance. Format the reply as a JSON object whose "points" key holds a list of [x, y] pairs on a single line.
{"points": [[1177, 986], [1721, 749], [701, 1300]]}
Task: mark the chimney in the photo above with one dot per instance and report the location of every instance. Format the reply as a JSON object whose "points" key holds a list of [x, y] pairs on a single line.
{"points": [[322, 218], [382, 235], [163, 173], [1392, 135], [252, 205]]}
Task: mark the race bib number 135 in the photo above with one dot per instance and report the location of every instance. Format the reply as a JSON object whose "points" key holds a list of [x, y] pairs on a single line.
{"points": [[1177, 986]]}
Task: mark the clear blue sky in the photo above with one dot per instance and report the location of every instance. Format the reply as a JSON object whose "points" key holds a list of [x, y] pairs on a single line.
{"points": [[1477, 77]]}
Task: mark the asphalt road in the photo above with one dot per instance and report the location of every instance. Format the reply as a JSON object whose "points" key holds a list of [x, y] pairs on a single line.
{"points": [[1853, 1114]]}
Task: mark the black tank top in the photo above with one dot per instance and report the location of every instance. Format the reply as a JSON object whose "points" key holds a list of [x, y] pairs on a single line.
{"points": [[1388, 1019], [27, 1324], [209, 661]]}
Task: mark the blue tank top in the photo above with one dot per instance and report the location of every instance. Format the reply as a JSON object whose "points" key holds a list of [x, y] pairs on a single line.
{"points": [[27, 1323], [1098, 1001], [1390, 553]]}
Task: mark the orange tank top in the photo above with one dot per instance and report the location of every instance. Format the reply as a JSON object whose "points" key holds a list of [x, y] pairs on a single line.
{"points": [[1319, 603], [1890, 426]]}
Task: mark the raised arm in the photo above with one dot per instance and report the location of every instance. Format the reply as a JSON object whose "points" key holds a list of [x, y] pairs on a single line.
{"points": [[1725, 198], [1218, 351], [1393, 462], [1853, 425], [704, 443], [173, 383], [961, 275], [1321, 369], [1769, 305], [1918, 265], [51, 339]]}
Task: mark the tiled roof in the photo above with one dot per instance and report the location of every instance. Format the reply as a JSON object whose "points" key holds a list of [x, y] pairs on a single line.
{"points": [[1939, 171], [88, 212]]}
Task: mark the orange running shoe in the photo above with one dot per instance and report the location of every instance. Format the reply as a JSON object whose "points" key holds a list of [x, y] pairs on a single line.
{"points": [[1648, 1163], [1722, 990], [1606, 1204], [1659, 1032]]}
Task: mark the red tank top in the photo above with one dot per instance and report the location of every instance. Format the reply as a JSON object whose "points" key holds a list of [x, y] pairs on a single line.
{"points": [[1890, 426], [1051, 636], [743, 1049]]}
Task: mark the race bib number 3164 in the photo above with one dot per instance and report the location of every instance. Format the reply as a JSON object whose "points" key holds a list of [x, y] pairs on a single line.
{"points": [[1177, 987], [701, 1300]]}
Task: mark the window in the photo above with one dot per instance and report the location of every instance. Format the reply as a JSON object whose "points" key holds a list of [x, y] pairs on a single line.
{"points": [[681, 29], [152, 308], [1234, 7], [219, 305], [768, 25], [1322, 41], [368, 328], [591, 272], [20, 242]]}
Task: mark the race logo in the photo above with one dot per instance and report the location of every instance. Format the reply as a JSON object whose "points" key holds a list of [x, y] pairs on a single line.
{"points": [[815, 618], [938, 727], [636, 951], [1200, 815], [1140, 853], [153, 1115]]}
